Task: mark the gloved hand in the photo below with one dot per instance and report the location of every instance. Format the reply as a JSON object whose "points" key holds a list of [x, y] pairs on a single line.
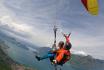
{"points": [[55, 61]]}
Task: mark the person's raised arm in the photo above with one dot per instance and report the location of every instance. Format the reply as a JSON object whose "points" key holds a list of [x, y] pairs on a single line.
{"points": [[67, 37]]}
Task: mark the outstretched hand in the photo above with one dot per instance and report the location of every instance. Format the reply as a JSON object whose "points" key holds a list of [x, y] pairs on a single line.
{"points": [[69, 34], [66, 36], [55, 61]]}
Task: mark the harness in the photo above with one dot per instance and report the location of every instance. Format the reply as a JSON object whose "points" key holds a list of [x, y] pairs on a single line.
{"points": [[66, 58]]}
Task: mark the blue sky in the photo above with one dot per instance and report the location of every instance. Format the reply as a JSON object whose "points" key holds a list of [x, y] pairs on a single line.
{"points": [[33, 20]]}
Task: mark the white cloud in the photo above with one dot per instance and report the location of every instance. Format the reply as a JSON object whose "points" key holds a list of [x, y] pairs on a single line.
{"points": [[32, 33], [35, 20]]}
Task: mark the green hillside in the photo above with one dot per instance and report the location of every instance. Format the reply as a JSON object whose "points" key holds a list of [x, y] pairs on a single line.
{"points": [[6, 63]]}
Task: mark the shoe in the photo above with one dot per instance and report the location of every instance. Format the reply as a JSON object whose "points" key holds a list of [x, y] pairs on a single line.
{"points": [[37, 57]]}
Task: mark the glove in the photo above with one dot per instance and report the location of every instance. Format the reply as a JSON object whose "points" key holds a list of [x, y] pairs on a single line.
{"points": [[55, 61]]}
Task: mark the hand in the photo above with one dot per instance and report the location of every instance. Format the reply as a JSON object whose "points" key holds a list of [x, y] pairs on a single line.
{"points": [[55, 61], [67, 37], [63, 34], [69, 34]]}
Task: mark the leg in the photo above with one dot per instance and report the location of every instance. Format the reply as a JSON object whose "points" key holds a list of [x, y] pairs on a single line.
{"points": [[49, 55]]}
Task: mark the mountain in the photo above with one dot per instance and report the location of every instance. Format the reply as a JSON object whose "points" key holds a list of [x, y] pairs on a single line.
{"points": [[22, 44], [80, 61], [6, 63]]}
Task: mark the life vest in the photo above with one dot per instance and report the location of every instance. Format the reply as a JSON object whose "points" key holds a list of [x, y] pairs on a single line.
{"points": [[62, 56]]}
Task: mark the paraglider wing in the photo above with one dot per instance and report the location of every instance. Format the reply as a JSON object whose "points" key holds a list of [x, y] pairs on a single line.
{"points": [[91, 6], [84, 2]]}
